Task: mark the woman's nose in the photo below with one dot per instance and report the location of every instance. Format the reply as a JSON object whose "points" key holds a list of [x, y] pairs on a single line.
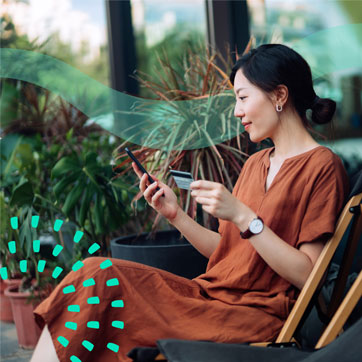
{"points": [[238, 111]]}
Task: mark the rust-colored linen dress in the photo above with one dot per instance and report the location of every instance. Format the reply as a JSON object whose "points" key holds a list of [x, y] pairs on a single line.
{"points": [[239, 298]]}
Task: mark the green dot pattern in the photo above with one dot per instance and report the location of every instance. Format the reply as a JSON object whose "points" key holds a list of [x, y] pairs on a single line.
{"points": [[23, 265], [71, 325], [93, 248], [113, 347], [63, 341], [41, 265], [79, 264], [89, 282], [117, 303], [58, 224], [75, 359], [74, 308], [57, 249], [88, 345], [93, 324], [12, 247], [14, 222], [34, 221], [93, 300], [4, 272], [36, 246], [112, 282], [78, 235], [118, 324], [106, 264], [56, 272], [69, 289]]}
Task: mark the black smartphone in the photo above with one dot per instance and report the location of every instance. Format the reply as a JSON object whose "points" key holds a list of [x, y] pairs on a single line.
{"points": [[133, 157]]}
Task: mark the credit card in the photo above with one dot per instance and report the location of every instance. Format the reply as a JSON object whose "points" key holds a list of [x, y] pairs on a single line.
{"points": [[182, 179]]}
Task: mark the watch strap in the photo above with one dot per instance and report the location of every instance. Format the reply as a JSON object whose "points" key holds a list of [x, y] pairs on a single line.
{"points": [[248, 233]]}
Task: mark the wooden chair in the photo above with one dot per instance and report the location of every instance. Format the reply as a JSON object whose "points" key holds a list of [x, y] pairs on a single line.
{"points": [[311, 289], [335, 327], [310, 294], [329, 348]]}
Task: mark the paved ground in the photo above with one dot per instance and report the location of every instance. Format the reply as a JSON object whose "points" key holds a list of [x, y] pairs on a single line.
{"points": [[9, 349]]}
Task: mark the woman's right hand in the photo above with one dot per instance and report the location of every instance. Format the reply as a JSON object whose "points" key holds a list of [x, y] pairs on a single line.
{"points": [[167, 206]]}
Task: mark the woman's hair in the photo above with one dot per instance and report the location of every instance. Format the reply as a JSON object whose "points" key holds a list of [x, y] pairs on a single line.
{"points": [[270, 65]]}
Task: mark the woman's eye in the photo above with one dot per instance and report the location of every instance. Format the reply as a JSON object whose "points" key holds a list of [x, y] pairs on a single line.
{"points": [[242, 98]]}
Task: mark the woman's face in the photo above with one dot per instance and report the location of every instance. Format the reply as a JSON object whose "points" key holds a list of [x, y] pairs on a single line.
{"points": [[254, 108]]}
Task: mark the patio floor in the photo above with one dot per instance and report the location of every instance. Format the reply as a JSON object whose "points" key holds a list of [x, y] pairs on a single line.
{"points": [[9, 349]]}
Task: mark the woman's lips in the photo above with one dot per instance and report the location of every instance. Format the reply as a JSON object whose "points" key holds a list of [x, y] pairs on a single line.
{"points": [[246, 126]]}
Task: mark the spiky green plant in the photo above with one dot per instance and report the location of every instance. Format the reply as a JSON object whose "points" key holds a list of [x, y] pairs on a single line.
{"points": [[200, 78]]}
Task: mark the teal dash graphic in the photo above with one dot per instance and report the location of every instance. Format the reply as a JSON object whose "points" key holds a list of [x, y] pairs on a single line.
{"points": [[70, 289]]}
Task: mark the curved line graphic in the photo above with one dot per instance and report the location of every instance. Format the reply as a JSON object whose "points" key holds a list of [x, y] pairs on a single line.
{"points": [[170, 125]]}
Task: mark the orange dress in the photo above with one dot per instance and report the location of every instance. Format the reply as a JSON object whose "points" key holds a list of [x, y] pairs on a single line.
{"points": [[238, 299]]}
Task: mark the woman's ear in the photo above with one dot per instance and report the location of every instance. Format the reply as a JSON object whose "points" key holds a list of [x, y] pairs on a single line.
{"points": [[281, 94]]}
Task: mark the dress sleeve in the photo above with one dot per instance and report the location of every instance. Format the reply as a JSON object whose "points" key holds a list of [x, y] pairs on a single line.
{"points": [[325, 203]]}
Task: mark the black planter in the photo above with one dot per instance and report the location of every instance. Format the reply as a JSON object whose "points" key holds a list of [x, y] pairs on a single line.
{"points": [[166, 251]]}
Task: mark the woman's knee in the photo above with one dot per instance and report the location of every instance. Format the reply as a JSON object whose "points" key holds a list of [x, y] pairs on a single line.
{"points": [[94, 261]]}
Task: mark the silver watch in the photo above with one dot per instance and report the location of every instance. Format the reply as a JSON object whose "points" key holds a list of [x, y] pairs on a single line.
{"points": [[256, 226]]}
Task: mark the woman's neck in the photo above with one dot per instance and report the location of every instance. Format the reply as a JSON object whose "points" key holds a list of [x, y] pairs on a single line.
{"points": [[291, 138]]}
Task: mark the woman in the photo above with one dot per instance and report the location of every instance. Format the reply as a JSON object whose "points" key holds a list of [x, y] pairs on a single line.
{"points": [[273, 226]]}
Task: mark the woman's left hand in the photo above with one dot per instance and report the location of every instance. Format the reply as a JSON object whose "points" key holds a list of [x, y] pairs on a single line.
{"points": [[217, 200]]}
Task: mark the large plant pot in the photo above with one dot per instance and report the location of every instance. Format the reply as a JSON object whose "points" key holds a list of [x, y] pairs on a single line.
{"points": [[6, 313], [166, 251], [27, 330]]}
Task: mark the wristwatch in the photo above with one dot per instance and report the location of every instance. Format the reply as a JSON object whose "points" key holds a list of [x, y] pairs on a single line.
{"points": [[256, 226]]}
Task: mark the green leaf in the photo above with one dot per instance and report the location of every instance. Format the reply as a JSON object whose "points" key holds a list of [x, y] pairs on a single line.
{"points": [[69, 134], [22, 194], [98, 214], [114, 213], [91, 159], [72, 198], [86, 201], [60, 186], [25, 235], [64, 165]]}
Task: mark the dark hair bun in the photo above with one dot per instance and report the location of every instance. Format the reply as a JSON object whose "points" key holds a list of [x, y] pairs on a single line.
{"points": [[323, 110]]}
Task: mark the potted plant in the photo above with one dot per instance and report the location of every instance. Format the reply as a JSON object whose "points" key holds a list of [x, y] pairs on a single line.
{"points": [[197, 79], [165, 251], [6, 314], [25, 260], [21, 195]]}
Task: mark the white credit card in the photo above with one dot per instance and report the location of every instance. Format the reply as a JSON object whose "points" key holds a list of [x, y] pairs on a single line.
{"points": [[182, 179]]}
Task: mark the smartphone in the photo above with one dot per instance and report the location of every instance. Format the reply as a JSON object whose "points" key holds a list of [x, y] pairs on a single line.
{"points": [[182, 179], [133, 157]]}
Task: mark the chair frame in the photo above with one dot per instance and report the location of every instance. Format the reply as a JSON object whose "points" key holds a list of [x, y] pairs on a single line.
{"points": [[343, 312], [353, 207], [317, 276]]}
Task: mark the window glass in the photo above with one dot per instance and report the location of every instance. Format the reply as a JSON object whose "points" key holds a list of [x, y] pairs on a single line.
{"points": [[329, 35], [70, 30], [166, 27]]}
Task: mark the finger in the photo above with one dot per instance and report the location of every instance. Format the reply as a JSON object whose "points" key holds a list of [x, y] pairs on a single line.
{"points": [[203, 184], [204, 200], [136, 170], [153, 177], [150, 191], [143, 182], [203, 193], [157, 195], [207, 209]]}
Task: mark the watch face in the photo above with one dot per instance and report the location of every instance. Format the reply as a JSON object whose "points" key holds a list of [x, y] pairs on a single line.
{"points": [[256, 226]]}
